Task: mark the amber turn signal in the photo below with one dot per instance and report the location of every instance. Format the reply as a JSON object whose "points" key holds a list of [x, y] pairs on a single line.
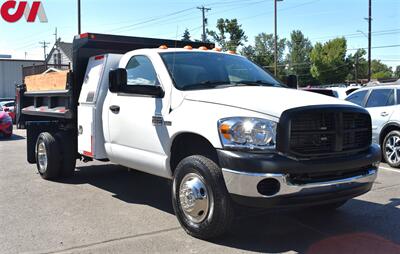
{"points": [[224, 129]]}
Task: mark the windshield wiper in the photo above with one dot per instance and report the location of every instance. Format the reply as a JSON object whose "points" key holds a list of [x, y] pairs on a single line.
{"points": [[256, 83], [207, 84]]}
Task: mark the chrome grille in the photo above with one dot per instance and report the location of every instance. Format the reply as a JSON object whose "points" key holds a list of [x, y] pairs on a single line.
{"points": [[324, 132]]}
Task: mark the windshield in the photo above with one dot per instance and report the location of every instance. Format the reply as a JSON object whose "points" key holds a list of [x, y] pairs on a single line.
{"points": [[202, 70]]}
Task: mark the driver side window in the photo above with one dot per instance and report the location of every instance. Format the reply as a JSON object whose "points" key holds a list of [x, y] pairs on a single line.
{"points": [[140, 71]]}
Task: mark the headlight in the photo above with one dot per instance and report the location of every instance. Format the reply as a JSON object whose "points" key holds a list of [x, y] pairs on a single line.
{"points": [[247, 133]]}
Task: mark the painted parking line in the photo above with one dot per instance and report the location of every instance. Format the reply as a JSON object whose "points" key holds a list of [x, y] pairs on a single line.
{"points": [[390, 169]]}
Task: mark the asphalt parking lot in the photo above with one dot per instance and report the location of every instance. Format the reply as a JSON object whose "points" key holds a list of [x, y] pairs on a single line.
{"points": [[108, 209]]}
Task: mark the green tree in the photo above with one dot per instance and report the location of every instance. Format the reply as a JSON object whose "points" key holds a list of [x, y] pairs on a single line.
{"points": [[263, 50], [186, 35], [380, 70], [298, 57], [230, 34], [329, 61], [249, 52], [358, 65], [397, 72]]}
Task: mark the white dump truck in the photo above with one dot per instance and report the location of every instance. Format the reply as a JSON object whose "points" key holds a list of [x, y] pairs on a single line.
{"points": [[226, 132]]}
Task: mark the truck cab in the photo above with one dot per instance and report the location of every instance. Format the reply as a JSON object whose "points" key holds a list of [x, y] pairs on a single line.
{"points": [[225, 131]]}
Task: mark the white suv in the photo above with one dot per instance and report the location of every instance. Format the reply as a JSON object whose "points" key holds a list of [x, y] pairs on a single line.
{"points": [[383, 103]]}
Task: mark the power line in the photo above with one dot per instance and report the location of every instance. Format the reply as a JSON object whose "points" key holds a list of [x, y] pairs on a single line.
{"points": [[170, 16], [357, 35], [161, 19], [212, 14], [164, 16], [236, 3], [379, 47], [238, 7], [123, 28], [152, 20]]}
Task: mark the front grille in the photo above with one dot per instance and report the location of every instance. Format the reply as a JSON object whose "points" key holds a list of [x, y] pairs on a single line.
{"points": [[322, 132]]}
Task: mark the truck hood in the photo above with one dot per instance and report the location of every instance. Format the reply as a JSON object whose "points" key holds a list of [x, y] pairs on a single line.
{"points": [[272, 101]]}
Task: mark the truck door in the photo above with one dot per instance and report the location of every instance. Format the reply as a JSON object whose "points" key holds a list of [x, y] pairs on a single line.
{"points": [[91, 138], [136, 125]]}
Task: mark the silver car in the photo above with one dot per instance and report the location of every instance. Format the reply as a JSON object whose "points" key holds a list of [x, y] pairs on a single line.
{"points": [[383, 103]]}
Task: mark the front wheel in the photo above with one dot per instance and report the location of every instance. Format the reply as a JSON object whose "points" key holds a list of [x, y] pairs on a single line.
{"points": [[200, 199], [391, 149]]}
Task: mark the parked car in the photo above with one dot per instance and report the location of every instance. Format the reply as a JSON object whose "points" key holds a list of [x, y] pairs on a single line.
{"points": [[383, 103], [9, 107], [224, 131], [337, 92], [351, 89], [6, 126]]}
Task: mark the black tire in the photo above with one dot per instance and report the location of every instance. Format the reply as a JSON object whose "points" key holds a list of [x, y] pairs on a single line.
{"points": [[220, 212], [386, 150], [68, 151], [51, 169]]}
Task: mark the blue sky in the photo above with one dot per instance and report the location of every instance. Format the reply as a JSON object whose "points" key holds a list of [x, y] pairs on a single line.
{"points": [[320, 20]]}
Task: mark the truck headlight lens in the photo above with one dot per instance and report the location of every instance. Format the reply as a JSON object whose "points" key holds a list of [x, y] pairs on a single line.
{"points": [[247, 133]]}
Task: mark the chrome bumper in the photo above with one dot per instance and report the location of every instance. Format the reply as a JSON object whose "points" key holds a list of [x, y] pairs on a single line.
{"points": [[245, 184]]}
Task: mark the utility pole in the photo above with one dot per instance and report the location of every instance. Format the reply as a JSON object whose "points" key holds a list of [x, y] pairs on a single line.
{"points": [[56, 37], [203, 10], [276, 37], [356, 68], [369, 38], [44, 46], [79, 16]]}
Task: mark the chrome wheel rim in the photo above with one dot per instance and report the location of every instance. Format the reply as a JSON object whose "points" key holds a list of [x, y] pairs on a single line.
{"points": [[42, 157], [194, 198], [392, 149]]}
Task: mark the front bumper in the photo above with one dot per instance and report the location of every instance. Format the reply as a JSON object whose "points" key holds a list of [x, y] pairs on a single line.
{"points": [[272, 180], [6, 128]]}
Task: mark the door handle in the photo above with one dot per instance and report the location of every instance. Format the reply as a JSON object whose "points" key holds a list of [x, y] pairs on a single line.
{"points": [[115, 109], [384, 114]]}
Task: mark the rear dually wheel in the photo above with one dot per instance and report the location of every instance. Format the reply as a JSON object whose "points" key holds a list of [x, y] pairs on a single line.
{"points": [[48, 157]]}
